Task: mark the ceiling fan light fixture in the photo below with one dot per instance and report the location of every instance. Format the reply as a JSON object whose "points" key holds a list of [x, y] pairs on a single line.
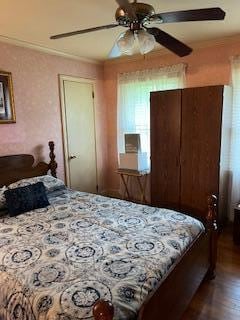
{"points": [[136, 16], [125, 42], [146, 41]]}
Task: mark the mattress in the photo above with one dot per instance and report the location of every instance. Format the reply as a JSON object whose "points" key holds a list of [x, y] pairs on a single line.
{"points": [[56, 262]]}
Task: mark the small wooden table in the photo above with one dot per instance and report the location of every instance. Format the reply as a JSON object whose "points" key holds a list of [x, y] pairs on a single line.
{"points": [[236, 225], [125, 177]]}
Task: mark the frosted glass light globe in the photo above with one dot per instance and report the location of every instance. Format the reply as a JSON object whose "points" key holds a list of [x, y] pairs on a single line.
{"points": [[146, 41], [125, 42]]}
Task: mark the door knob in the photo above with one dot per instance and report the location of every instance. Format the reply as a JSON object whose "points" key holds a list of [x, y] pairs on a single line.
{"points": [[72, 157]]}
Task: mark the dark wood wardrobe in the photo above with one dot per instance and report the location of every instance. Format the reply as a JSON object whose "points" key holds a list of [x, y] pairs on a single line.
{"points": [[185, 147]]}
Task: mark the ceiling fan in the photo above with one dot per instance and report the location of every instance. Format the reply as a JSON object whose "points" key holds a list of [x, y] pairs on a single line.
{"points": [[137, 17]]}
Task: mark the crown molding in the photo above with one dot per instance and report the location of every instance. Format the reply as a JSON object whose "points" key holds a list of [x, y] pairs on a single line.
{"points": [[29, 45], [161, 52], [136, 57]]}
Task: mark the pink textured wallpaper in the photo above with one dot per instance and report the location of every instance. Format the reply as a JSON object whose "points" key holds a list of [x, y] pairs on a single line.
{"points": [[37, 103], [36, 93], [206, 66]]}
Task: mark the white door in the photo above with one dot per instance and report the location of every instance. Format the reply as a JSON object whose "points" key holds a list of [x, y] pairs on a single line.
{"points": [[80, 144]]}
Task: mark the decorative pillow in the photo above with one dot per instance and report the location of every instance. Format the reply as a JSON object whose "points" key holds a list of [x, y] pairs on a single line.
{"points": [[2, 198], [23, 199], [51, 184], [3, 213]]}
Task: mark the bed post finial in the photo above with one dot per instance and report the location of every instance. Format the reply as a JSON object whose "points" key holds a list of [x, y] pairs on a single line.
{"points": [[52, 164], [213, 234], [103, 310]]}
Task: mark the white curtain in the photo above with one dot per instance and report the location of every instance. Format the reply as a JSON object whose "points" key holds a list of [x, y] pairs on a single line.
{"points": [[134, 100], [234, 160]]}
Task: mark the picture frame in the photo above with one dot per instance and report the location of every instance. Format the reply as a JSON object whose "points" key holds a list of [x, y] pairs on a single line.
{"points": [[7, 108]]}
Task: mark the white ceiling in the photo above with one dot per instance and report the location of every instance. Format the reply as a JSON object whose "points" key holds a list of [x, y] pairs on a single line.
{"points": [[33, 21]]}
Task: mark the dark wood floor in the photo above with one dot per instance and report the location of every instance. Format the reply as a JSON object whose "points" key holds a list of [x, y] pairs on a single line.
{"points": [[219, 299]]}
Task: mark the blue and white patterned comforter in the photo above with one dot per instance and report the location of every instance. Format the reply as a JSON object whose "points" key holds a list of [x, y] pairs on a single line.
{"points": [[56, 262]]}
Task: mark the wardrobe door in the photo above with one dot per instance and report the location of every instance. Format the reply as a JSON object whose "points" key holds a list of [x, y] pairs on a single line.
{"points": [[200, 146], [165, 126]]}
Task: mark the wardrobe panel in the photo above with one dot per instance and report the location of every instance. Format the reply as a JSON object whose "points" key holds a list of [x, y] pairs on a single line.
{"points": [[165, 124], [200, 146]]}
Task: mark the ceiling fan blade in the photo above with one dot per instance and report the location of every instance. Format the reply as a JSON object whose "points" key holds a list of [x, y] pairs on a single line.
{"points": [[191, 15], [170, 42], [126, 5], [73, 33]]}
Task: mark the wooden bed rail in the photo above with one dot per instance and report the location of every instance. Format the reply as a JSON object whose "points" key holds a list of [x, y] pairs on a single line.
{"points": [[103, 310]]}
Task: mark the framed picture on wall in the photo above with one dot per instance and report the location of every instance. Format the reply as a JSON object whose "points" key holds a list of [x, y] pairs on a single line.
{"points": [[7, 109]]}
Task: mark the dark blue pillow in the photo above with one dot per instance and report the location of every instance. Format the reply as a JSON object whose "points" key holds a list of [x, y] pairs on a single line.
{"points": [[23, 199]]}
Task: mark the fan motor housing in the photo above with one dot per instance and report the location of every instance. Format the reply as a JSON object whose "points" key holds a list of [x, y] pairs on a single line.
{"points": [[143, 12]]}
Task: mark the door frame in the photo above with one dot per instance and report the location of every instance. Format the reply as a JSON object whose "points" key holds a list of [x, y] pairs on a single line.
{"points": [[63, 78]]}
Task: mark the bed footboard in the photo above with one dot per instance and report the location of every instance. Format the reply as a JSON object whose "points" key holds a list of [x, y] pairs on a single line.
{"points": [[213, 235]]}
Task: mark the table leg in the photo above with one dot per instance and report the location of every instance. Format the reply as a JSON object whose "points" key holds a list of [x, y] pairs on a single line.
{"points": [[125, 183], [142, 188]]}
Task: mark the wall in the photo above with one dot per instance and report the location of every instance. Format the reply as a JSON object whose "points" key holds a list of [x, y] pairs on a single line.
{"points": [[36, 94], [209, 64]]}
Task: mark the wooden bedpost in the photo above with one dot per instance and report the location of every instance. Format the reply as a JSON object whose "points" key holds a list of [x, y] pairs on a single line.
{"points": [[213, 234], [103, 310], [52, 164]]}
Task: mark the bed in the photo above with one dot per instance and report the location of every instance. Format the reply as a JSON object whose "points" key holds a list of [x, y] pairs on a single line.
{"points": [[87, 256]]}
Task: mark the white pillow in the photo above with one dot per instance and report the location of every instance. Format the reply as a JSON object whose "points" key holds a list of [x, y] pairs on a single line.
{"points": [[51, 184], [2, 197]]}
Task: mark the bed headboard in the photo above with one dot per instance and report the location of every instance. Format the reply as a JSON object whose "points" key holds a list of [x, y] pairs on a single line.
{"points": [[20, 166]]}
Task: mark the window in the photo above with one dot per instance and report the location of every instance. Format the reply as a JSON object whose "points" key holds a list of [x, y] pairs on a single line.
{"points": [[134, 100]]}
